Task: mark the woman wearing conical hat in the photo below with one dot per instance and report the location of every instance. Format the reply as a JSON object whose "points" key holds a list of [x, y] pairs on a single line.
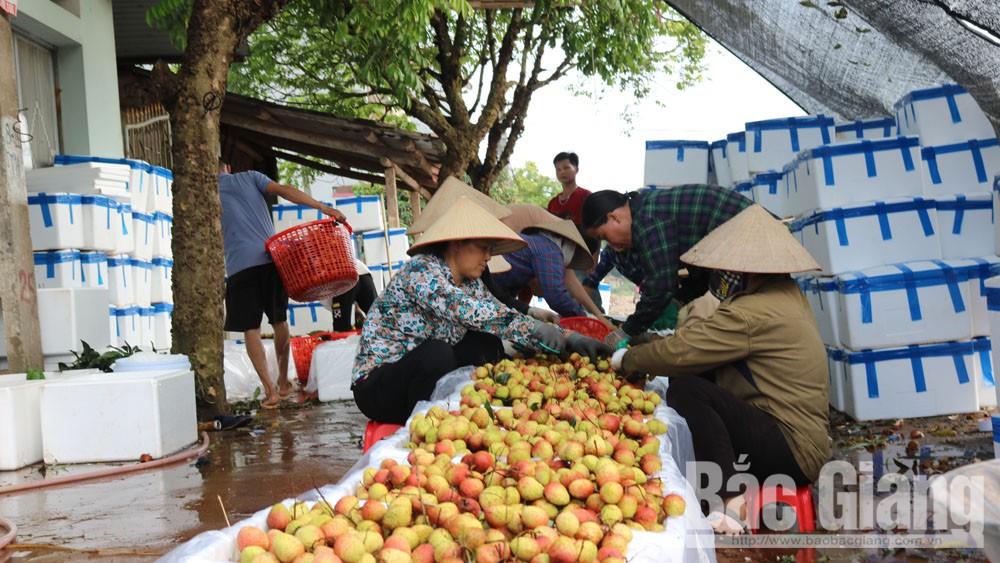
{"points": [[436, 315], [751, 378], [555, 249]]}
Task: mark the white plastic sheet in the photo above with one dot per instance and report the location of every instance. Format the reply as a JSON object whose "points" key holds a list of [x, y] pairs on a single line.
{"points": [[984, 481], [240, 376], [687, 539], [331, 367]]}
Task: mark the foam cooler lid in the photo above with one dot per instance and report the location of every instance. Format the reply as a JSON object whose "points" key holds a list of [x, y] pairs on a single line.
{"points": [[151, 361]]}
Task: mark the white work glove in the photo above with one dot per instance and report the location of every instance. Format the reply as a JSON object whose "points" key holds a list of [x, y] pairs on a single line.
{"points": [[616, 359], [543, 315]]}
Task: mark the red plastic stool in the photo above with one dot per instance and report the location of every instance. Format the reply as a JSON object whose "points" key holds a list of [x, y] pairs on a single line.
{"points": [[801, 501], [799, 498], [375, 431]]}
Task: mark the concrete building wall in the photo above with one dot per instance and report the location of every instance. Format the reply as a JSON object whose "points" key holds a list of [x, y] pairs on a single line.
{"points": [[82, 34]]}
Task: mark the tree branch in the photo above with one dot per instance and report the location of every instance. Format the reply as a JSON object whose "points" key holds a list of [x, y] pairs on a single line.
{"points": [[498, 82], [449, 61]]}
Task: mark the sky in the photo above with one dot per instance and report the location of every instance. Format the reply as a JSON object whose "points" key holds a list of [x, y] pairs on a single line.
{"points": [[611, 151]]}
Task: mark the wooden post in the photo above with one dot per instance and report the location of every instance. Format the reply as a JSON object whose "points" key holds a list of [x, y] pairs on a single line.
{"points": [[18, 298], [415, 204], [391, 198]]}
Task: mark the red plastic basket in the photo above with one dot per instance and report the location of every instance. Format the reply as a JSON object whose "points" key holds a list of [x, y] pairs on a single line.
{"points": [[314, 259], [585, 326], [303, 347]]}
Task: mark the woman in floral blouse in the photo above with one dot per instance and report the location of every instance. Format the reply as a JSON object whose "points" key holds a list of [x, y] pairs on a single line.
{"points": [[437, 315]]}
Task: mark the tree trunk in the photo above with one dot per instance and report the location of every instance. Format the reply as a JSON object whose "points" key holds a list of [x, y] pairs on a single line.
{"points": [[197, 243]]}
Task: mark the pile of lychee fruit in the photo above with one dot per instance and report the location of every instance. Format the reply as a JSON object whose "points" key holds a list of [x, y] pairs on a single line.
{"points": [[543, 461]]}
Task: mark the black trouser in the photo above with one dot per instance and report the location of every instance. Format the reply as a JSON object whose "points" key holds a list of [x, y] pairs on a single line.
{"points": [[390, 391], [363, 293], [724, 427]]}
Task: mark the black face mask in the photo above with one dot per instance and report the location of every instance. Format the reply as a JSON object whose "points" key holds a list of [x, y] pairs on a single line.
{"points": [[723, 284]]}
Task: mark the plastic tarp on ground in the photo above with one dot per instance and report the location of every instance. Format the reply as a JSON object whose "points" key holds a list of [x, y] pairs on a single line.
{"points": [[853, 59], [239, 374], [687, 539]]}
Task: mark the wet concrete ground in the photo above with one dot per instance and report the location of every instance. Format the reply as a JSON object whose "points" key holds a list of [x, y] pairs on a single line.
{"points": [[285, 453], [141, 516]]}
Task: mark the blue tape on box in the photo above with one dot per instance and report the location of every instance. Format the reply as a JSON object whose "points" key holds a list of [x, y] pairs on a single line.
{"points": [[974, 146], [905, 146]]}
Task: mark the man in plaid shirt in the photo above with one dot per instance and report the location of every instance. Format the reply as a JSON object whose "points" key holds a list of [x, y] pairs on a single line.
{"points": [[653, 228]]}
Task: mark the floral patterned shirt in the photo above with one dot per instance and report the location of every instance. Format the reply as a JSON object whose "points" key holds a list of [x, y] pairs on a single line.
{"points": [[423, 303]]}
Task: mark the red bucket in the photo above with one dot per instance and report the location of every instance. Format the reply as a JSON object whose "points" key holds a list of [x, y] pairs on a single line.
{"points": [[314, 259]]}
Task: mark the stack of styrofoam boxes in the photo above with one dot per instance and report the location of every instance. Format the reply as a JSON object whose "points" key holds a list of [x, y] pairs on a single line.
{"points": [[75, 216], [382, 250], [136, 230], [719, 163], [675, 163], [900, 301]]}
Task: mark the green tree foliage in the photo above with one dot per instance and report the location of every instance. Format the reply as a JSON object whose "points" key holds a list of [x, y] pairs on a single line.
{"points": [[525, 185], [467, 75]]}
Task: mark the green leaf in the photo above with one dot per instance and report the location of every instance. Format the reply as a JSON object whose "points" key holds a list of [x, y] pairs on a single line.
{"points": [[841, 13], [34, 375]]}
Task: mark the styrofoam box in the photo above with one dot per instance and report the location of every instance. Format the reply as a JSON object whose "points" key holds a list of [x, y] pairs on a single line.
{"points": [[720, 163], [382, 274], [162, 315], [67, 316], [94, 270], [745, 188], [363, 212], [20, 422], [975, 272], [924, 380], [144, 234], [147, 327], [161, 196], [992, 286], [996, 210], [164, 235], [304, 318], [864, 235], [125, 239], [675, 163], [821, 292], [57, 269], [121, 281], [875, 128], [142, 281], [161, 289], [965, 225], [104, 178], [962, 168], [374, 246], [844, 173], [768, 189], [332, 366], [604, 289], [736, 156], [835, 367], [138, 179], [56, 221], [772, 143], [118, 417], [287, 215], [123, 322], [902, 304], [101, 220], [942, 115]]}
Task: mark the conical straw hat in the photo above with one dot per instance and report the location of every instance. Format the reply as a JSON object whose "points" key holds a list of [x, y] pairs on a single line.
{"points": [[534, 217], [445, 196], [465, 220], [753, 242], [498, 265]]}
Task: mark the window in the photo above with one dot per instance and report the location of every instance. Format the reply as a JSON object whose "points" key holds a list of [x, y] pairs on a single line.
{"points": [[36, 97]]}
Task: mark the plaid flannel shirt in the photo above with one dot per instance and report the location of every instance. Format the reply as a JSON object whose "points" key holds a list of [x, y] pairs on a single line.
{"points": [[541, 260], [610, 259], [665, 224]]}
